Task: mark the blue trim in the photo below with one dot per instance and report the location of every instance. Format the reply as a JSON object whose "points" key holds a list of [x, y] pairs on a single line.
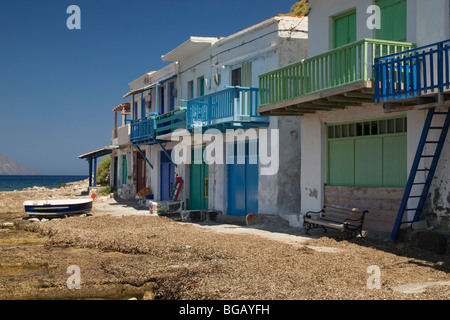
{"points": [[166, 152]]}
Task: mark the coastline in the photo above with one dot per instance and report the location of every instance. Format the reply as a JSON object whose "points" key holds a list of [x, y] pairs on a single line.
{"points": [[10, 183]]}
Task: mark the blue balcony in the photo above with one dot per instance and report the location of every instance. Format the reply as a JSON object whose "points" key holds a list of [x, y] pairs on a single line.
{"points": [[143, 130], [147, 130], [415, 76], [231, 108]]}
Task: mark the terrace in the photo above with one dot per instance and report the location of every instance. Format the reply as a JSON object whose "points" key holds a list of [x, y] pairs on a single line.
{"points": [[234, 107], [332, 80]]}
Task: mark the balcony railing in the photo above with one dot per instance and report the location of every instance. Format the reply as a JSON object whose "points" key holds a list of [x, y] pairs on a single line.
{"points": [[413, 73], [148, 128], [341, 66], [169, 122], [143, 129], [232, 105]]}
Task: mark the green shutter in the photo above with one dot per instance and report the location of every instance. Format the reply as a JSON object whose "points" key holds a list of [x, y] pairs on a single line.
{"points": [[247, 74], [368, 153], [368, 162], [202, 87], [341, 163], [394, 161], [393, 20], [344, 29]]}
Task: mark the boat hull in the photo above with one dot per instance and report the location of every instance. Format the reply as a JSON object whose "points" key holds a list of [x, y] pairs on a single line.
{"points": [[57, 207]]}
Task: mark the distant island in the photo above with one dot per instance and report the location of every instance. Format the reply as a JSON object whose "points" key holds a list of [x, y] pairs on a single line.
{"points": [[10, 167]]}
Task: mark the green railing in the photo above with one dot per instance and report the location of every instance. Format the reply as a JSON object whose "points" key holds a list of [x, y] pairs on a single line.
{"points": [[341, 66], [170, 121]]}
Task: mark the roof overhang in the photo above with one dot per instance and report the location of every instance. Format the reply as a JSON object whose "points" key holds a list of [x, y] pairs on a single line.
{"points": [[137, 91], [97, 153], [191, 47], [123, 107]]}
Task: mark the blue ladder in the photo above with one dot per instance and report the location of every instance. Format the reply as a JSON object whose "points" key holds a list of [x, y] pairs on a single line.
{"points": [[429, 172]]}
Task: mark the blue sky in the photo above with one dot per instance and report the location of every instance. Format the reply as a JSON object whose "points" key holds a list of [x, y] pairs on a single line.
{"points": [[58, 86]]}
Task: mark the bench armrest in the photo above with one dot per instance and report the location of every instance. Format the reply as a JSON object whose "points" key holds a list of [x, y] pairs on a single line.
{"points": [[315, 213], [363, 213]]}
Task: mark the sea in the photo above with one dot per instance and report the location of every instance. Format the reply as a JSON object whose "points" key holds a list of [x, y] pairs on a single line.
{"points": [[11, 183]]}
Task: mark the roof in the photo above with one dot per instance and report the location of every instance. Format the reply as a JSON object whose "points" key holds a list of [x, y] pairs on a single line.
{"points": [[133, 92], [97, 153], [190, 47]]}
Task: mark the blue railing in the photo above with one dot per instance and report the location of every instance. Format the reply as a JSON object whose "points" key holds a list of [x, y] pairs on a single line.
{"points": [[413, 73], [234, 104], [142, 129]]}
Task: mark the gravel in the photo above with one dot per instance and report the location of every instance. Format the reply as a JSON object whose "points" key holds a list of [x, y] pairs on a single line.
{"points": [[190, 261]]}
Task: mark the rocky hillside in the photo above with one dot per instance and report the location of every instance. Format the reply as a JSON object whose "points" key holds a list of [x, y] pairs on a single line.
{"points": [[10, 167]]}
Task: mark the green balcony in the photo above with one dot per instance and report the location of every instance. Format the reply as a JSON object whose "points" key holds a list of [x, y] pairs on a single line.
{"points": [[332, 80]]}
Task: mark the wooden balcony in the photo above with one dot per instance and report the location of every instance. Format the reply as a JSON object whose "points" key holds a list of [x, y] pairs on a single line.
{"points": [[149, 129], [332, 80], [230, 108]]}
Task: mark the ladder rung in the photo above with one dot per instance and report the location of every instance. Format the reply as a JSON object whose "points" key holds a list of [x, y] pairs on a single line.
{"points": [[427, 156], [411, 209], [432, 141], [407, 221], [418, 182], [436, 127], [416, 196], [423, 169], [440, 112]]}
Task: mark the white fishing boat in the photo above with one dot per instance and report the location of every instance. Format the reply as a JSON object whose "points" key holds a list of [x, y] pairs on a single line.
{"points": [[57, 207]]}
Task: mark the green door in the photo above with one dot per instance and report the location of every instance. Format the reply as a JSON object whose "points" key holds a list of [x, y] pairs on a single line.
{"points": [[202, 87], [393, 20], [344, 29], [124, 169], [199, 181]]}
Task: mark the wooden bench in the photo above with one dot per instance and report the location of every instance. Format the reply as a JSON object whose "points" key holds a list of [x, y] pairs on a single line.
{"points": [[347, 220]]}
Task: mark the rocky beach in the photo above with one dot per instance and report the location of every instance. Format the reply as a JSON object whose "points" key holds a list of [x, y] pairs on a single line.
{"points": [[124, 252]]}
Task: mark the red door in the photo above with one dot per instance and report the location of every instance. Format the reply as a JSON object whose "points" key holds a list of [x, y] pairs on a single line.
{"points": [[140, 173]]}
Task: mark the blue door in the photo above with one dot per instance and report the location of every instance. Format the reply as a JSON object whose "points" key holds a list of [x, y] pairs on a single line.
{"points": [[243, 179], [167, 176]]}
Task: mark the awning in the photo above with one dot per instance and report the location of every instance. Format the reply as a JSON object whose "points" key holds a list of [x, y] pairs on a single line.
{"points": [[97, 153], [122, 107]]}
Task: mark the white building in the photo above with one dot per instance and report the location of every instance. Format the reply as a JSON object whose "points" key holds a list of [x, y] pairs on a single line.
{"points": [[355, 152], [208, 68]]}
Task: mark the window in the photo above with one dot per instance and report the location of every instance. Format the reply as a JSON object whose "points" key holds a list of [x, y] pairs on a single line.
{"points": [[344, 29], [236, 77], [370, 153]]}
